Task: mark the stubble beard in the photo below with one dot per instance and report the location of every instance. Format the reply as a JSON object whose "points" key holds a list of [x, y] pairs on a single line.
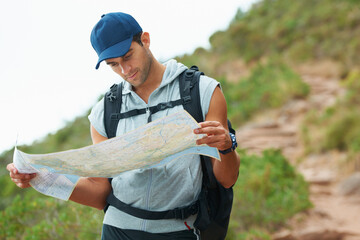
{"points": [[146, 69]]}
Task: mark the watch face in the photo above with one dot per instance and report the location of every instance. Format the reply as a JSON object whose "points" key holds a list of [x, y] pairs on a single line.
{"points": [[233, 139]]}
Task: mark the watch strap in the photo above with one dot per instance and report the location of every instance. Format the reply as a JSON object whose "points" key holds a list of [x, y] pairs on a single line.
{"points": [[233, 146]]}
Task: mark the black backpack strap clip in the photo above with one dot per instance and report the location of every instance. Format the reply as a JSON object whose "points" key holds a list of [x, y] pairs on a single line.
{"points": [[188, 76], [165, 105], [186, 99], [111, 95]]}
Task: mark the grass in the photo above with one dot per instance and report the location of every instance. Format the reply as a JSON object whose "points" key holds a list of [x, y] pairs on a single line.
{"points": [[338, 127], [268, 192], [269, 85]]}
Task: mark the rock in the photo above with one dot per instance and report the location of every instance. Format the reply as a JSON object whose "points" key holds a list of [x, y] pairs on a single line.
{"points": [[315, 176], [351, 185], [283, 235], [321, 234]]}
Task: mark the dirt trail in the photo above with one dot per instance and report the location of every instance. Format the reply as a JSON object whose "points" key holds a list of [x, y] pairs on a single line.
{"points": [[334, 215]]}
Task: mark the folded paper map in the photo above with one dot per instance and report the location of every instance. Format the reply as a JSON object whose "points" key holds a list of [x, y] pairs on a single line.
{"points": [[150, 145]]}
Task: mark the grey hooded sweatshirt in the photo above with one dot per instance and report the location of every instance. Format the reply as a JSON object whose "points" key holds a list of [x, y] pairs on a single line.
{"points": [[176, 184]]}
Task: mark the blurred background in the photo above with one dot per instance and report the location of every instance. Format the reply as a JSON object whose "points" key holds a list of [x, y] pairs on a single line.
{"points": [[290, 73]]}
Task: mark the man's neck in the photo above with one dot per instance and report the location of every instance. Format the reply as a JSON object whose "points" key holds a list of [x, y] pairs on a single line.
{"points": [[152, 82]]}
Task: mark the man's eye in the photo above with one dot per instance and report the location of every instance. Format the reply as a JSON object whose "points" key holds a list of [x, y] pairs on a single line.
{"points": [[127, 57]]}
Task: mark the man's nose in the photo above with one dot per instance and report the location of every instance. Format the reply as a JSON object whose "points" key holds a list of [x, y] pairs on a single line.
{"points": [[125, 68]]}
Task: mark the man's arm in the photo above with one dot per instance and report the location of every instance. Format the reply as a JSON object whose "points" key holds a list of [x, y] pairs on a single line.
{"points": [[216, 129], [92, 191], [88, 191]]}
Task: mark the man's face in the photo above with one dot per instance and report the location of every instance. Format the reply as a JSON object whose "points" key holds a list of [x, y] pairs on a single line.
{"points": [[134, 66]]}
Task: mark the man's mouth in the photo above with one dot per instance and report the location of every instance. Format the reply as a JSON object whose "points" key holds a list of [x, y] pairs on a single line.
{"points": [[132, 76]]}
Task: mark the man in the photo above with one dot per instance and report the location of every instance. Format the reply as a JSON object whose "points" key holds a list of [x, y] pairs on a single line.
{"points": [[120, 42]]}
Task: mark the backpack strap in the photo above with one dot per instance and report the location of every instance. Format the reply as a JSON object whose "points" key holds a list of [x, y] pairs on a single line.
{"points": [[191, 81], [177, 213], [112, 107], [190, 92]]}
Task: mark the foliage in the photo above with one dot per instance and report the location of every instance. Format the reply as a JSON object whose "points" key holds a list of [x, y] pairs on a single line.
{"points": [[270, 85], [8, 190], [339, 126], [252, 234], [201, 58], [41, 217], [299, 30], [267, 193], [26, 214]]}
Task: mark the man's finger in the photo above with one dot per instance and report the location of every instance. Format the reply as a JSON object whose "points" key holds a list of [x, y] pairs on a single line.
{"points": [[11, 168], [18, 180], [210, 130], [22, 176], [209, 140], [23, 185], [210, 124]]}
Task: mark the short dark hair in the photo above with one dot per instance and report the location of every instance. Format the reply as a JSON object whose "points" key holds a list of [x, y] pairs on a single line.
{"points": [[137, 38]]}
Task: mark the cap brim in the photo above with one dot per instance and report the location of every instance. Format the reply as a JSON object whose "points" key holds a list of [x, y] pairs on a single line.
{"points": [[117, 50]]}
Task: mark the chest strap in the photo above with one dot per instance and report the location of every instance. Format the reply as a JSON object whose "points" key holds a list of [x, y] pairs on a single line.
{"points": [[177, 213], [115, 117]]}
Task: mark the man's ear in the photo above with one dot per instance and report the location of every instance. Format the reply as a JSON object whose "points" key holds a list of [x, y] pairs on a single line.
{"points": [[145, 39]]}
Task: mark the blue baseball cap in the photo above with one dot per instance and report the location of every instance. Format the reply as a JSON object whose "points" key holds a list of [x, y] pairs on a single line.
{"points": [[112, 35]]}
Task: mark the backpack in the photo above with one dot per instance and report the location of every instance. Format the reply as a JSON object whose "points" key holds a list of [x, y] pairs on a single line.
{"points": [[215, 202]]}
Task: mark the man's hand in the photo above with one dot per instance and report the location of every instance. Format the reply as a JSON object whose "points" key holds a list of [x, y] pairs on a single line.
{"points": [[215, 127], [216, 135], [22, 180]]}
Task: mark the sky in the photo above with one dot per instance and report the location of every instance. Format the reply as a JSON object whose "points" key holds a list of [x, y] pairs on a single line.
{"points": [[47, 64]]}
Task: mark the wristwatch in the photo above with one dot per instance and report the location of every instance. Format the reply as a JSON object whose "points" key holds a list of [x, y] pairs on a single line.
{"points": [[233, 146]]}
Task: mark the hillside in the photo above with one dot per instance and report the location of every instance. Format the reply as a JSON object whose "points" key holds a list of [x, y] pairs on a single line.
{"points": [[331, 191], [299, 32], [290, 73]]}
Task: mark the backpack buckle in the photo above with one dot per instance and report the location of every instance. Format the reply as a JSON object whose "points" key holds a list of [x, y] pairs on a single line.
{"points": [[186, 99], [114, 116], [162, 106], [189, 74], [113, 87], [111, 96]]}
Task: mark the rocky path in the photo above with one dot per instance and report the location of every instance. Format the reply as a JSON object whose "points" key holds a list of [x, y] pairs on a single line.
{"points": [[335, 216]]}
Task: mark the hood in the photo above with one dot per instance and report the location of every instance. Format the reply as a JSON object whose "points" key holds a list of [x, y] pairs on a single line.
{"points": [[173, 69]]}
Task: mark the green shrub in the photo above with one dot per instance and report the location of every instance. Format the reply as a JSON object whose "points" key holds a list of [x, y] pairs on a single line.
{"points": [[45, 218], [267, 193], [254, 234], [339, 126], [298, 30], [270, 85]]}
